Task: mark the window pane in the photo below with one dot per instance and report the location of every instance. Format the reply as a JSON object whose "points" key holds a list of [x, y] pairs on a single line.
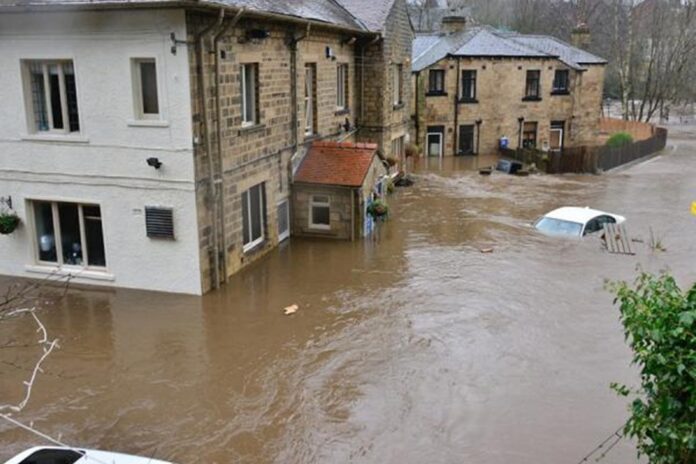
{"points": [[249, 84], [38, 95], [256, 212], [56, 106], [94, 235], [70, 238], [45, 235], [283, 224], [148, 86], [71, 96], [245, 217], [321, 215]]}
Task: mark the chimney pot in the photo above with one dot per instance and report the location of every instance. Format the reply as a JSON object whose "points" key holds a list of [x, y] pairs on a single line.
{"points": [[454, 23]]}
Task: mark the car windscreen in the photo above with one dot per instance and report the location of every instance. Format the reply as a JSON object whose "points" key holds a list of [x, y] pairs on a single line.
{"points": [[553, 226]]}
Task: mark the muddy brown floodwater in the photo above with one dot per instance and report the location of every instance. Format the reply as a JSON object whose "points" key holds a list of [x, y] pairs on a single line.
{"points": [[412, 347]]}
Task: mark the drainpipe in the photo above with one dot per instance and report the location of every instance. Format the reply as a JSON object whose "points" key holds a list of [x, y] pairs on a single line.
{"points": [[456, 110], [417, 97], [293, 84], [478, 135], [520, 120], [200, 46], [352, 214], [220, 181]]}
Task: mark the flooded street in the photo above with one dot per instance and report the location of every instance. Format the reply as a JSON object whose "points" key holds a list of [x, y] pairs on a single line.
{"points": [[410, 347]]}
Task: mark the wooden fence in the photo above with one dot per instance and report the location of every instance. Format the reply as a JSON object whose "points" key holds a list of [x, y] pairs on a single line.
{"points": [[590, 159]]}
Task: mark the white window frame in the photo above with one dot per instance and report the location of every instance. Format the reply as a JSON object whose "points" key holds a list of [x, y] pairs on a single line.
{"points": [[254, 242], [341, 86], [57, 237], [427, 144], [309, 127], [138, 97], [31, 116], [397, 85], [254, 87], [320, 204], [284, 235]]}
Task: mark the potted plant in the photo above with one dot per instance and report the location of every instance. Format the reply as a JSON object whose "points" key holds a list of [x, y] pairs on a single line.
{"points": [[378, 209], [8, 222]]}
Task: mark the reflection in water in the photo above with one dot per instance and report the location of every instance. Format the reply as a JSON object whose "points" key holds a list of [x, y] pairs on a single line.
{"points": [[412, 346]]}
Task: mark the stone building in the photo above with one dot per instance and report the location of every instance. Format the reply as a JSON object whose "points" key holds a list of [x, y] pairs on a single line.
{"points": [[158, 140], [333, 188], [476, 86]]}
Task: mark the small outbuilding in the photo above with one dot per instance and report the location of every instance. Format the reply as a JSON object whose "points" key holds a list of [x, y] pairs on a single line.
{"points": [[333, 187]]}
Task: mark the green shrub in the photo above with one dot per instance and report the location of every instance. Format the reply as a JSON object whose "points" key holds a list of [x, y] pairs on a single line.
{"points": [[659, 322], [619, 139]]}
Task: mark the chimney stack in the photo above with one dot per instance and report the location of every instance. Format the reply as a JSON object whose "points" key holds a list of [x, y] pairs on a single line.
{"points": [[452, 24], [580, 36]]}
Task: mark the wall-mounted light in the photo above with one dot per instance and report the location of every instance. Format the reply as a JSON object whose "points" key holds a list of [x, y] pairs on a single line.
{"points": [[154, 162], [479, 121]]}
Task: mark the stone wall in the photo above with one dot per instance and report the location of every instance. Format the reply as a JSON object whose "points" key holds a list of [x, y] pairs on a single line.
{"points": [[500, 91], [340, 210], [379, 119], [260, 153]]}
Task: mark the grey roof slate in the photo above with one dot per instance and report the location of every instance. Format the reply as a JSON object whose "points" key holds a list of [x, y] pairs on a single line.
{"points": [[328, 11], [572, 56], [428, 49], [372, 13]]}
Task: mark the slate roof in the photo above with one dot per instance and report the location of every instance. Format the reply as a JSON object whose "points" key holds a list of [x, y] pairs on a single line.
{"points": [[428, 49], [372, 13], [364, 15], [337, 163]]}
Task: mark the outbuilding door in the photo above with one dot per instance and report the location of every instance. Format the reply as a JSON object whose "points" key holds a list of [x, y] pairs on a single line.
{"points": [[556, 135]]}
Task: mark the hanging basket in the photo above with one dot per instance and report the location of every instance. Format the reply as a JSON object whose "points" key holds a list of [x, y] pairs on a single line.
{"points": [[8, 223], [378, 209]]}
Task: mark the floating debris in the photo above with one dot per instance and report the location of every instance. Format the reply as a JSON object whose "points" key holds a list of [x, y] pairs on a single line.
{"points": [[616, 239], [486, 250], [292, 309]]}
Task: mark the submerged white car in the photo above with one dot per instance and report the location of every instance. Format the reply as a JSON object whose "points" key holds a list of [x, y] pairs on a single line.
{"points": [[575, 221], [60, 455]]}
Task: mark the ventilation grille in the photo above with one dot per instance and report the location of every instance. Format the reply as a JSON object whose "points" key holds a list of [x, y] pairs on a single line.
{"points": [[159, 222]]}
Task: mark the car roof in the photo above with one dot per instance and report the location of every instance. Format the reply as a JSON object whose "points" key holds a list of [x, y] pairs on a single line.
{"points": [[576, 214], [91, 456]]}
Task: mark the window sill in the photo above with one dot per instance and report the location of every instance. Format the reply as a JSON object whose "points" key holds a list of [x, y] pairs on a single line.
{"points": [[77, 273], [66, 138], [560, 92], [319, 228], [147, 123], [251, 129], [531, 99], [468, 101], [342, 111], [253, 248], [398, 106], [434, 93]]}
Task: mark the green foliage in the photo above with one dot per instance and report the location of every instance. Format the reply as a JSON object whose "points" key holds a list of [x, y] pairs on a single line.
{"points": [[619, 139], [659, 322], [8, 222], [378, 209]]}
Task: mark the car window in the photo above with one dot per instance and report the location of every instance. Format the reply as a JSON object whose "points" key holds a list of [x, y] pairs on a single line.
{"points": [[52, 456], [553, 226], [594, 225], [606, 220]]}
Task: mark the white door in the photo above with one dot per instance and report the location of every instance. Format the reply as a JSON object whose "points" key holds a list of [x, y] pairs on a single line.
{"points": [[434, 144], [283, 220], [556, 136]]}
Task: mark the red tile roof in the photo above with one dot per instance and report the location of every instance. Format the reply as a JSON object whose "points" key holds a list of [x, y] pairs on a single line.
{"points": [[337, 163]]}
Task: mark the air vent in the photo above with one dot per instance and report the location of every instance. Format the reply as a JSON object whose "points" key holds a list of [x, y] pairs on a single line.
{"points": [[159, 222]]}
